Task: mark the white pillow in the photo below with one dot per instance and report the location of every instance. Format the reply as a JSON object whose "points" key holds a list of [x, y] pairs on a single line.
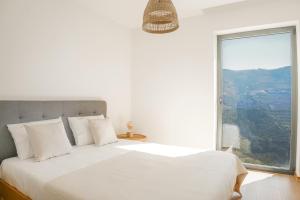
{"points": [[48, 140], [21, 139], [80, 129], [102, 131]]}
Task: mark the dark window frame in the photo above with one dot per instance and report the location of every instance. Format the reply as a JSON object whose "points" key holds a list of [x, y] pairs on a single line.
{"points": [[294, 89]]}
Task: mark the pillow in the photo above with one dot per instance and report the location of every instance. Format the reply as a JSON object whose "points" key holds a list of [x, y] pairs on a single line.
{"points": [[102, 131], [80, 129], [48, 140], [20, 137]]}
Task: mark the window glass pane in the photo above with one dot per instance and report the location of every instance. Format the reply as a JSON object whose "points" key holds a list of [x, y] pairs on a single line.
{"points": [[256, 91]]}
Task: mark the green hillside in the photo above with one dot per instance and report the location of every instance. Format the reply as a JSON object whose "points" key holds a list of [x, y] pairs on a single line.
{"points": [[259, 103]]}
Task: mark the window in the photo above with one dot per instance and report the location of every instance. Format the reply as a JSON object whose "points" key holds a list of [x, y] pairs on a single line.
{"points": [[257, 98]]}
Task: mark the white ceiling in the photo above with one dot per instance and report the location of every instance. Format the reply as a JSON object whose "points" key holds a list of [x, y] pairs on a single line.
{"points": [[130, 12]]}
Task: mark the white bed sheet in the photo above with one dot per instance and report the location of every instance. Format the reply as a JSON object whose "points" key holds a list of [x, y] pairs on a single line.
{"points": [[30, 177]]}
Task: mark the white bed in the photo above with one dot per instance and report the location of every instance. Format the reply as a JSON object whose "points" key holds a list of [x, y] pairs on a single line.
{"points": [[33, 178], [29, 176]]}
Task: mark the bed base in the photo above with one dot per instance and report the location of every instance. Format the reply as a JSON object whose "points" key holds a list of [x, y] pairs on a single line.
{"points": [[8, 192]]}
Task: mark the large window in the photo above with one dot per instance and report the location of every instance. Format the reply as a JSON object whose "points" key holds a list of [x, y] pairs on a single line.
{"points": [[257, 98]]}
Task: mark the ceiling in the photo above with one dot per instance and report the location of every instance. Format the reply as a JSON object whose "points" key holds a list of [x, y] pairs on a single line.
{"points": [[129, 12]]}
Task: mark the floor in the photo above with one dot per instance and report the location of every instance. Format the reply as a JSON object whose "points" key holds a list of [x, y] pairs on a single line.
{"points": [[266, 186]]}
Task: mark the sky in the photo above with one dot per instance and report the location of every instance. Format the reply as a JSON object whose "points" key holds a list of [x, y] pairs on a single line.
{"points": [[264, 52]]}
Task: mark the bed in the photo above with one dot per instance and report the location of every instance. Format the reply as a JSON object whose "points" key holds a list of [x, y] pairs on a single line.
{"points": [[122, 170]]}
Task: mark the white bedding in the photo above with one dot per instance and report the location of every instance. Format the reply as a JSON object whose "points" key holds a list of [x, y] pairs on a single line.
{"points": [[31, 177]]}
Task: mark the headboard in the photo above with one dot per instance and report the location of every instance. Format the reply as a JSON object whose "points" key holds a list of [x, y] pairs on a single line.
{"points": [[12, 112]]}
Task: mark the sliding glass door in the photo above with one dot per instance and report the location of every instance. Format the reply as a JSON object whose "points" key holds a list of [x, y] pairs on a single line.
{"points": [[257, 97]]}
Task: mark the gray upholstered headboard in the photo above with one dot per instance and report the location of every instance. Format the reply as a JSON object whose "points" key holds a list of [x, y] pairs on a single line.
{"points": [[12, 112]]}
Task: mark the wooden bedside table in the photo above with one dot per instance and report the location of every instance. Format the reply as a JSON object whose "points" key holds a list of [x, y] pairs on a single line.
{"points": [[135, 136]]}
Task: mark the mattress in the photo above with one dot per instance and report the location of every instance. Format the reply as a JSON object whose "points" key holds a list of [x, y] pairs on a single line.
{"points": [[33, 178]]}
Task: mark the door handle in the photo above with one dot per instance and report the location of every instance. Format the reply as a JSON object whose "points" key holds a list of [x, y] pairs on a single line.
{"points": [[221, 100]]}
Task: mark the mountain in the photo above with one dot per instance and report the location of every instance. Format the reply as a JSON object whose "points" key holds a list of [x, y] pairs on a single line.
{"points": [[256, 88], [258, 101]]}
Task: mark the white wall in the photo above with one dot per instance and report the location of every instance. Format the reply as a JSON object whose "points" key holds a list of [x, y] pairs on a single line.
{"points": [[173, 74], [57, 49]]}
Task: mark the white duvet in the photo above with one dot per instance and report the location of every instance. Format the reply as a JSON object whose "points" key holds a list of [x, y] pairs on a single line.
{"points": [[128, 171]]}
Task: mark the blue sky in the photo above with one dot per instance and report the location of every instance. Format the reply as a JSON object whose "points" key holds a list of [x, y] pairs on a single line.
{"points": [[265, 52]]}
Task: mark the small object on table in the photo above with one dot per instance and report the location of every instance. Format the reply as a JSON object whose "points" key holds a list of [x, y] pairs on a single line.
{"points": [[130, 129], [134, 136]]}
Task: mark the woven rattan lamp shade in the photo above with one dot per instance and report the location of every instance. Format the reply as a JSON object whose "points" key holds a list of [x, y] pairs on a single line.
{"points": [[160, 16]]}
